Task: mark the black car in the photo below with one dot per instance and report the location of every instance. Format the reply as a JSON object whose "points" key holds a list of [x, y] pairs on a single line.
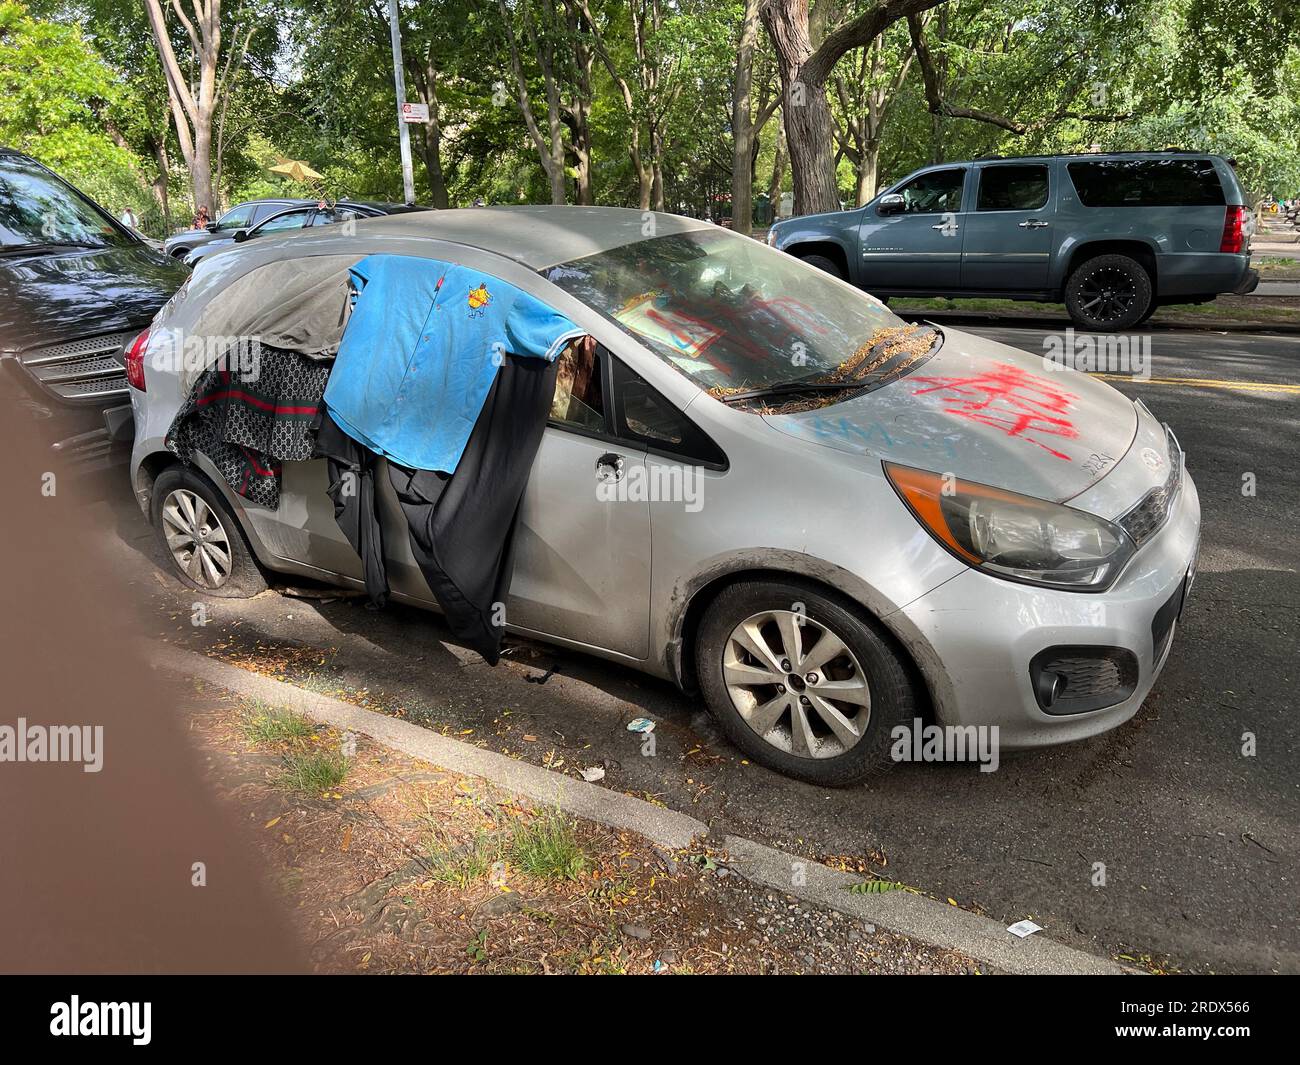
{"points": [[303, 216], [242, 216], [76, 287]]}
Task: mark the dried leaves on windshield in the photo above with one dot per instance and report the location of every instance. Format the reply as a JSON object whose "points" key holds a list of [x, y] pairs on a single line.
{"points": [[895, 347]]}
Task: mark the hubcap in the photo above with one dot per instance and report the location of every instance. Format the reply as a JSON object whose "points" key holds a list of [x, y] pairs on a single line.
{"points": [[796, 684], [1107, 294], [196, 538]]}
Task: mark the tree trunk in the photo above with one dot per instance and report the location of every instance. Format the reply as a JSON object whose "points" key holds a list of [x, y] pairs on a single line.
{"points": [[778, 173], [809, 125], [742, 128]]}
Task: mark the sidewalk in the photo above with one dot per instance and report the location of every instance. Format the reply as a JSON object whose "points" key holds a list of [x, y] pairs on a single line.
{"points": [[391, 865], [417, 846]]}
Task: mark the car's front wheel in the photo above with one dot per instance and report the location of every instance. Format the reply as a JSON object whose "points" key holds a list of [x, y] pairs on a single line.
{"points": [[200, 536], [800, 681], [1109, 293], [824, 264]]}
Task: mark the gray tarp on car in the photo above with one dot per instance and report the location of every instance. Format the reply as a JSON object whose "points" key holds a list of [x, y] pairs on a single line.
{"points": [[297, 305]]}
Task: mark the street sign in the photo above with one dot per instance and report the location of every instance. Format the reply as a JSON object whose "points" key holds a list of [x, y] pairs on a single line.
{"points": [[415, 112]]}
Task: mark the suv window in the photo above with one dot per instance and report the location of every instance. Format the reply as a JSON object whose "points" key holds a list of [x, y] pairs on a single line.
{"points": [[1147, 183], [1020, 187], [934, 193], [288, 220], [236, 217]]}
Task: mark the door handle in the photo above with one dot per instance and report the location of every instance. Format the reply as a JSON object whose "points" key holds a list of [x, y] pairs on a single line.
{"points": [[609, 468], [949, 226], [1033, 223]]}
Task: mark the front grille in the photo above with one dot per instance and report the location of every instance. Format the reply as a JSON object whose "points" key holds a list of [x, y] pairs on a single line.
{"points": [[80, 370], [1150, 515], [1082, 679]]}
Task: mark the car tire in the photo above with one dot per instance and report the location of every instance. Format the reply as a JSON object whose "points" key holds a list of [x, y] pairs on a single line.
{"points": [[829, 266], [183, 503], [1109, 293], [732, 679]]}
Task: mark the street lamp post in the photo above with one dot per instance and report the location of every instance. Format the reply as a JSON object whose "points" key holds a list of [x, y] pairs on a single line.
{"points": [[399, 83]]}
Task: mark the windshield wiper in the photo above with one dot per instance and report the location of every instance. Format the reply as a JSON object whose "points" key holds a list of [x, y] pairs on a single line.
{"points": [[881, 374], [793, 387], [46, 245]]}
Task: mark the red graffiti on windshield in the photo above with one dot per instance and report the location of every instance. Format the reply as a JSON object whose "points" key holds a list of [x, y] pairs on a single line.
{"points": [[1019, 403]]}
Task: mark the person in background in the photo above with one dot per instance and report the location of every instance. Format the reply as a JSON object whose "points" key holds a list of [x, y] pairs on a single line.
{"points": [[201, 218], [130, 219]]}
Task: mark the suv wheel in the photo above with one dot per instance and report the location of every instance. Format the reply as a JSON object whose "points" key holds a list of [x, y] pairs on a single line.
{"points": [[801, 682], [201, 537], [829, 266], [1110, 292]]}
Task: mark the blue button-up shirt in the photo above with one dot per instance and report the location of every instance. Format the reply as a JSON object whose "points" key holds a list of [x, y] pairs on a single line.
{"points": [[420, 352]]}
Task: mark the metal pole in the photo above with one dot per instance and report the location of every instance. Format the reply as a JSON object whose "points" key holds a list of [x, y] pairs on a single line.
{"points": [[399, 83]]}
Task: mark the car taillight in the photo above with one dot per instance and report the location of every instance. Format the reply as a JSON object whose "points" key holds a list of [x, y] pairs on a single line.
{"points": [[1234, 224], [135, 361]]}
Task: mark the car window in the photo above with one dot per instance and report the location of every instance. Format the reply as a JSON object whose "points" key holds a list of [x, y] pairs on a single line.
{"points": [[263, 211], [579, 387], [236, 217], [647, 418], [337, 214], [38, 208], [934, 193], [1021, 187], [288, 220], [728, 312], [1147, 183]]}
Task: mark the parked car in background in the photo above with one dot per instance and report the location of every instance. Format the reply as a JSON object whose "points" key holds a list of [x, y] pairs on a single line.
{"points": [[302, 217], [1111, 236], [76, 287], [241, 216], [838, 544]]}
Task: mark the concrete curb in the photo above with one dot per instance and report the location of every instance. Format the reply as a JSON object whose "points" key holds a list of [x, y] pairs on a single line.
{"points": [[911, 915]]}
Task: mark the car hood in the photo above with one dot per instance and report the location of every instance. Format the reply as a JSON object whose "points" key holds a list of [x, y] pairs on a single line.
{"points": [[984, 412], [58, 296]]}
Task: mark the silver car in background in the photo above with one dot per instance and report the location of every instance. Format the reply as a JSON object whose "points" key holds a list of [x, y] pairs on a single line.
{"points": [[775, 493]]}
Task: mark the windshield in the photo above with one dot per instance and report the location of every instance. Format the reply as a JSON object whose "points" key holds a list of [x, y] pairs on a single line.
{"points": [[729, 312], [36, 208]]}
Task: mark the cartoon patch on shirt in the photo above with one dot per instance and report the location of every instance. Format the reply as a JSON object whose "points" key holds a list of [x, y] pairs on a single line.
{"points": [[478, 299]]}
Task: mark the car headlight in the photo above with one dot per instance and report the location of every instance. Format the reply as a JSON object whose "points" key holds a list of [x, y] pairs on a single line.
{"points": [[1016, 537]]}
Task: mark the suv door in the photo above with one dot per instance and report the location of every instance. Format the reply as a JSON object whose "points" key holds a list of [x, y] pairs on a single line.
{"points": [[920, 246], [1009, 234]]}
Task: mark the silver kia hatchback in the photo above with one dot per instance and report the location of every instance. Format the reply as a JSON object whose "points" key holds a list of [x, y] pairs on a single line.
{"points": [[832, 526]]}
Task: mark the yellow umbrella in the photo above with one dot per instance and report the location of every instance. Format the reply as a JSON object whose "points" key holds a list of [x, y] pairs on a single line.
{"points": [[298, 170]]}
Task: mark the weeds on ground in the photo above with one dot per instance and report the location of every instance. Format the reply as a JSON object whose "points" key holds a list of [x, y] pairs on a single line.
{"points": [[313, 772], [547, 846], [263, 723], [460, 864]]}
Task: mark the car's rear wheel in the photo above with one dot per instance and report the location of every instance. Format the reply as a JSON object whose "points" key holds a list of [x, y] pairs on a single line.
{"points": [[1109, 293], [201, 537], [802, 682], [829, 266]]}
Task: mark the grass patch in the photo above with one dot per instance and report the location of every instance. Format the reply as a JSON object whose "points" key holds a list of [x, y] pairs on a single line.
{"points": [[263, 723], [313, 772], [460, 864], [548, 846]]}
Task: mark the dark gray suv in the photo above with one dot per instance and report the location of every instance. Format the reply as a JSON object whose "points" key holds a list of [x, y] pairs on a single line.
{"points": [[1112, 236]]}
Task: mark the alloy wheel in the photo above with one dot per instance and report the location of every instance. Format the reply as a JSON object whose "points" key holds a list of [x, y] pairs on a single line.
{"points": [[796, 684], [1107, 294], [196, 538]]}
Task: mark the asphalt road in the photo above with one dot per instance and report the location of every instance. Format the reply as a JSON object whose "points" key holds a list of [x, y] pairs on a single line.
{"points": [[1199, 842]]}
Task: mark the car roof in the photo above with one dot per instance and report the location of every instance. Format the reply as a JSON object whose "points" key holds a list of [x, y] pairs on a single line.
{"points": [[1168, 153], [536, 237]]}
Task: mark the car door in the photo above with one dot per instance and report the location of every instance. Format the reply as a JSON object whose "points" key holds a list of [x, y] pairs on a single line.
{"points": [[582, 546], [917, 245], [1009, 234]]}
